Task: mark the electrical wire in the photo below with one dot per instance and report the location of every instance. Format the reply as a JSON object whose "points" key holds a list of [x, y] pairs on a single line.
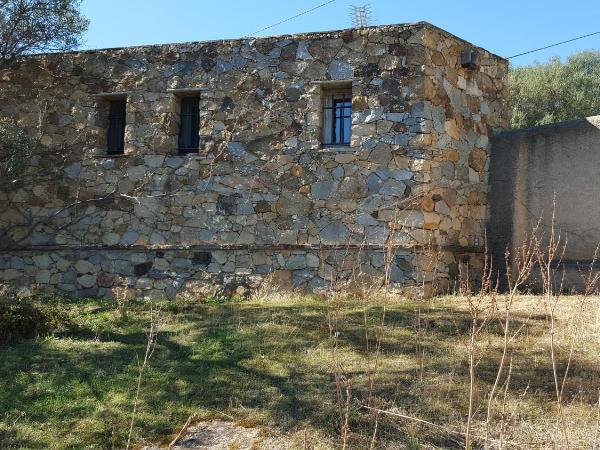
{"points": [[331, 1], [291, 18], [554, 45]]}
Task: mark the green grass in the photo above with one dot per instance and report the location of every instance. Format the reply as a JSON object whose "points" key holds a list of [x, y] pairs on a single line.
{"points": [[273, 363]]}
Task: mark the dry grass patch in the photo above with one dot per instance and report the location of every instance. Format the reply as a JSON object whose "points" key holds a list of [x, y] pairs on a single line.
{"points": [[306, 367]]}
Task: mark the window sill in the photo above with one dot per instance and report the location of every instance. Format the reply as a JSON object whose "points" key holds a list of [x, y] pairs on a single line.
{"points": [[337, 149], [111, 156], [179, 152]]}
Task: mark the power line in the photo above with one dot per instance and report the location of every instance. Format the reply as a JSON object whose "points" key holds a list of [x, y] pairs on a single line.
{"points": [[554, 45], [291, 18]]}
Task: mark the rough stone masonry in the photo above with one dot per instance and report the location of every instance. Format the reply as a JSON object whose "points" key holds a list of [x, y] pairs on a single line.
{"points": [[262, 200]]}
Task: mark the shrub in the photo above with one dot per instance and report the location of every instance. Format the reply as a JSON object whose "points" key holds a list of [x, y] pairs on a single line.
{"points": [[26, 317], [220, 299], [216, 299], [15, 152]]}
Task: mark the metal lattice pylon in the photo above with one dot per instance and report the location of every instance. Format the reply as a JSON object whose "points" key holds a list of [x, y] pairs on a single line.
{"points": [[361, 15]]}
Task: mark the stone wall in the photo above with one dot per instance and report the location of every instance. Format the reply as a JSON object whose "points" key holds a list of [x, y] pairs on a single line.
{"points": [[536, 170], [262, 197]]}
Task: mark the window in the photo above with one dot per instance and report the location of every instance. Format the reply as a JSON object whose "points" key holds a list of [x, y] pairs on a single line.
{"points": [[337, 117], [115, 137], [189, 125]]}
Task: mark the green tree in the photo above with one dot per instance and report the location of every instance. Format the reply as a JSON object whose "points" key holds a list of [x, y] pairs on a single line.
{"points": [[555, 91], [15, 152], [34, 26]]}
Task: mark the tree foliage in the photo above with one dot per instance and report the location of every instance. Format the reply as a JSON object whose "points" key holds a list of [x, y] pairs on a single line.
{"points": [[33, 26], [555, 91], [15, 152]]}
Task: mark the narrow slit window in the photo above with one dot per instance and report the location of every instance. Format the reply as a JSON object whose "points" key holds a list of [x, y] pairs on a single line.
{"points": [[115, 138], [189, 139], [337, 118]]}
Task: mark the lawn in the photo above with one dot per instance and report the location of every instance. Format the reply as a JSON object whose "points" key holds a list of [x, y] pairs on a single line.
{"points": [[303, 365]]}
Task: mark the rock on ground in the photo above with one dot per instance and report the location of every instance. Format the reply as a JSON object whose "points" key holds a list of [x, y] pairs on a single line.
{"points": [[222, 435]]}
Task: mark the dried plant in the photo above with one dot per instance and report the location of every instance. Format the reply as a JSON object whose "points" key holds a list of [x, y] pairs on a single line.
{"points": [[151, 337]]}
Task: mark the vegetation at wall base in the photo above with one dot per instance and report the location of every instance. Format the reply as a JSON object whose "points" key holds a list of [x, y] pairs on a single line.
{"points": [[23, 318], [273, 362]]}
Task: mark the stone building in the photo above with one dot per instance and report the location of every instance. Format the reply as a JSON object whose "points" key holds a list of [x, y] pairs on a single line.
{"points": [[301, 160]]}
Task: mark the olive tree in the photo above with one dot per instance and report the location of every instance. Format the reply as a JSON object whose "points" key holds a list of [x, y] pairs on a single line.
{"points": [[555, 91], [35, 26]]}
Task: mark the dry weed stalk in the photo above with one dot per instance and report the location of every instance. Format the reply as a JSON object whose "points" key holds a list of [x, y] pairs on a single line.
{"points": [[333, 315], [150, 347], [517, 275], [481, 307], [597, 432], [346, 427], [419, 348], [549, 257], [183, 430], [503, 412]]}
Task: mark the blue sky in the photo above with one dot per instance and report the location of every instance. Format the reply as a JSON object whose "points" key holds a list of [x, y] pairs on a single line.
{"points": [[505, 27]]}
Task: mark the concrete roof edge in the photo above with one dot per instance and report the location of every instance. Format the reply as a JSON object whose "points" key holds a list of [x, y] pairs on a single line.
{"points": [[550, 127]]}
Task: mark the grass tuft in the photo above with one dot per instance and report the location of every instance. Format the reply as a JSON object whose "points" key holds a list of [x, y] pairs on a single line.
{"points": [[272, 363]]}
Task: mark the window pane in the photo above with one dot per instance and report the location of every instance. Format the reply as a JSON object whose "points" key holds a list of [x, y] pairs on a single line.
{"points": [[337, 122], [347, 128], [115, 137], [189, 125], [327, 126], [338, 132]]}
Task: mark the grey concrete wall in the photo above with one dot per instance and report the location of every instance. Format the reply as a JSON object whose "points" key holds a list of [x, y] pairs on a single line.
{"points": [[528, 168]]}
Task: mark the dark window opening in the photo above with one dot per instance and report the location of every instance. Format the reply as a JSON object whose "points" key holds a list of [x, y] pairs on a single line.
{"points": [[189, 138], [115, 138], [337, 118]]}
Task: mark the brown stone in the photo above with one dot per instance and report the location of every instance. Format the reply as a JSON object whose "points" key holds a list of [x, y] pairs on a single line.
{"points": [[105, 279], [451, 155], [345, 158], [477, 159], [262, 207], [452, 129], [427, 204]]}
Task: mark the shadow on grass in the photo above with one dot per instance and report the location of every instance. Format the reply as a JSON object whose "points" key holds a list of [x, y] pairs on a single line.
{"points": [[268, 363]]}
